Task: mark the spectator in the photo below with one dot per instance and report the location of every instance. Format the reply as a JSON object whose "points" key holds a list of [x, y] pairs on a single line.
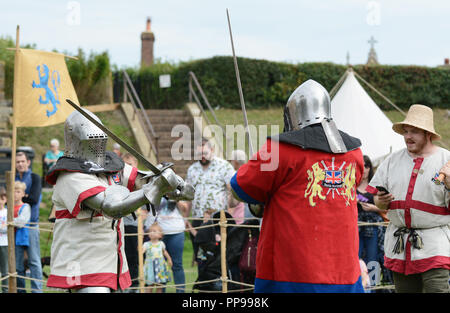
{"points": [[155, 267], [368, 212], [209, 241], [417, 244], [3, 239], [210, 177], [33, 197], [22, 213], [116, 149], [247, 260], [53, 154], [173, 227], [131, 241]]}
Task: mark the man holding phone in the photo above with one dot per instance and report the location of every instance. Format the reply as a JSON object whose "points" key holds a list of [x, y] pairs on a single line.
{"points": [[417, 240]]}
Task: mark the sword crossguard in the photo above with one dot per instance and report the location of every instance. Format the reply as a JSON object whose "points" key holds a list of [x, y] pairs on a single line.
{"points": [[164, 166]]}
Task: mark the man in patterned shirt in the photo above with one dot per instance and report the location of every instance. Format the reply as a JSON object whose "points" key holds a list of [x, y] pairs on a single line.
{"points": [[210, 177]]}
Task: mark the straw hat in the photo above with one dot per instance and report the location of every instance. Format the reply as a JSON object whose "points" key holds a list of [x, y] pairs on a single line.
{"points": [[419, 116]]}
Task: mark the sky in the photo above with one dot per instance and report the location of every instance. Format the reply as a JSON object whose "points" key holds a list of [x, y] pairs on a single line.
{"points": [[408, 32]]}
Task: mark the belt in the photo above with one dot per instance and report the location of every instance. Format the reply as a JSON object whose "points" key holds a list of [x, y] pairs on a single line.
{"points": [[414, 238]]}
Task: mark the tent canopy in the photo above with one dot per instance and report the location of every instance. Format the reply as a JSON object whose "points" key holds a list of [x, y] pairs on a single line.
{"points": [[358, 115]]}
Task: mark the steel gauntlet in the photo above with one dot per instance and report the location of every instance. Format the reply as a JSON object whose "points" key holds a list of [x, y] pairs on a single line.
{"points": [[170, 184]]}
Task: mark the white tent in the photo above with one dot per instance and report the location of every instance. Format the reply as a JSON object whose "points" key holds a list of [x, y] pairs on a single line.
{"points": [[358, 115]]}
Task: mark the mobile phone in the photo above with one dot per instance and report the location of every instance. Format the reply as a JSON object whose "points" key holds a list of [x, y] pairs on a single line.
{"points": [[382, 189]]}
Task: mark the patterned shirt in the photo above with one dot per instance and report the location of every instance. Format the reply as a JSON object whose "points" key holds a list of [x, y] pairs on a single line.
{"points": [[210, 185]]}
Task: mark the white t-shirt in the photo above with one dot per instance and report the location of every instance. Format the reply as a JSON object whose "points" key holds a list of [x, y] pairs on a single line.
{"points": [[171, 221], [3, 227]]}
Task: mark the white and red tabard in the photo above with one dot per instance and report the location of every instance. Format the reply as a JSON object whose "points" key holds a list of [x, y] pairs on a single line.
{"points": [[87, 250], [419, 205]]}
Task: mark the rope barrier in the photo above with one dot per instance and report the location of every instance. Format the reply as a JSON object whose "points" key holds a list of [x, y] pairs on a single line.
{"points": [[380, 287], [222, 223], [184, 285], [5, 277]]}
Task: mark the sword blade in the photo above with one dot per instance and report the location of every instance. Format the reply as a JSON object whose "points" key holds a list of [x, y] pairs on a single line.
{"points": [[241, 94], [127, 147]]}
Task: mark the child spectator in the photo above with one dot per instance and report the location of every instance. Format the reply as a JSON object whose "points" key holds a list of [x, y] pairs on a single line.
{"points": [[3, 239], [156, 273], [173, 226], [22, 213]]}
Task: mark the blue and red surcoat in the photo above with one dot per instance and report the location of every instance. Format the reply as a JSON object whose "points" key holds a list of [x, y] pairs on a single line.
{"points": [[309, 234]]}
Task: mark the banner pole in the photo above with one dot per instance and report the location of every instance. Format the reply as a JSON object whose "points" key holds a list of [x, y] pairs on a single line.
{"points": [[11, 177]]}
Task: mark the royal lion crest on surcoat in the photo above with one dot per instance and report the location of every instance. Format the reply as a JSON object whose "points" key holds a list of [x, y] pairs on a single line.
{"points": [[329, 178]]}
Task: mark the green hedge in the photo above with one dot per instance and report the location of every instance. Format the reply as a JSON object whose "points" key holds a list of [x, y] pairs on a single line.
{"points": [[406, 85], [7, 56], [267, 83], [91, 77], [264, 83], [90, 74]]}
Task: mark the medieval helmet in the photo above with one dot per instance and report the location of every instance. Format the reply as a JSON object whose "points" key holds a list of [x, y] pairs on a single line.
{"points": [[84, 140], [308, 104]]}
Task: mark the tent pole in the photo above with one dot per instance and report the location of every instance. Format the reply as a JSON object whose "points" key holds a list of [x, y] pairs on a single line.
{"points": [[339, 83], [380, 94]]}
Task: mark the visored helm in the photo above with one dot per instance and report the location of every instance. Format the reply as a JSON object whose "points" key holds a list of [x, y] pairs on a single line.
{"points": [[308, 104], [84, 140]]}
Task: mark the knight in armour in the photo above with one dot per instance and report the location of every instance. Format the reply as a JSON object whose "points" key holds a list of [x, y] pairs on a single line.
{"points": [[93, 190], [309, 233]]}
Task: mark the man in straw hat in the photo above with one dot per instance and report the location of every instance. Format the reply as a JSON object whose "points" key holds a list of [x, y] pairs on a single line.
{"points": [[417, 241]]}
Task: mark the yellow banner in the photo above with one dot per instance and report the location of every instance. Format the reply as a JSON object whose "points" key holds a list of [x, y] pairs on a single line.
{"points": [[42, 86]]}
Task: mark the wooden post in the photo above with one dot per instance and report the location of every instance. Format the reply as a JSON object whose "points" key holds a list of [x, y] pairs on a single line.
{"points": [[223, 250], [10, 178], [140, 251], [11, 237]]}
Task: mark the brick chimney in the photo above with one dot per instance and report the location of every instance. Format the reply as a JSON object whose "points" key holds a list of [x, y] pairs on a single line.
{"points": [[446, 61], [147, 40]]}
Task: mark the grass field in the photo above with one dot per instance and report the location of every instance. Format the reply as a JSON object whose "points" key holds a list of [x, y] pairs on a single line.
{"points": [[274, 116], [39, 139]]}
